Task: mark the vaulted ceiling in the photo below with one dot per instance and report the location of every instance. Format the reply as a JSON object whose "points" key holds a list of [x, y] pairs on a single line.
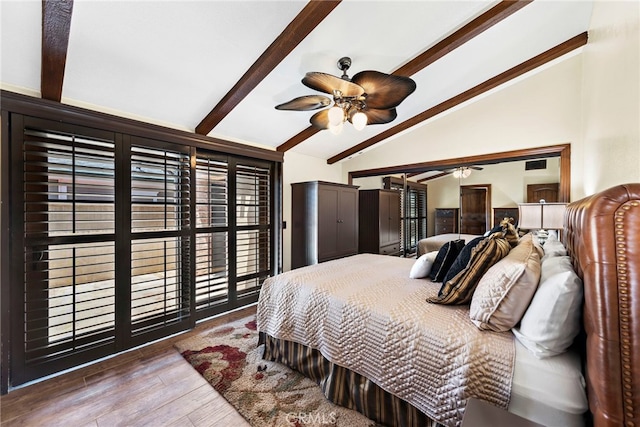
{"points": [[219, 68]]}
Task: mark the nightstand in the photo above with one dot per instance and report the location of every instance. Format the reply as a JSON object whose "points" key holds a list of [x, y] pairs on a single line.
{"points": [[482, 414]]}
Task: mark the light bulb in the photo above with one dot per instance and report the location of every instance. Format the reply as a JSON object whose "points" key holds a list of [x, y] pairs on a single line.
{"points": [[359, 120], [466, 172], [336, 115], [337, 129]]}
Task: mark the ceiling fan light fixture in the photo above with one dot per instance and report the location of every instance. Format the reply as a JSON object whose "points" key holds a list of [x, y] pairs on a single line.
{"points": [[336, 129], [462, 172], [336, 115], [369, 98], [359, 120]]}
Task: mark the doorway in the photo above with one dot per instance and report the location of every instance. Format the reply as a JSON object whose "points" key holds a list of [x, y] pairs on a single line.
{"points": [[546, 192], [475, 207]]}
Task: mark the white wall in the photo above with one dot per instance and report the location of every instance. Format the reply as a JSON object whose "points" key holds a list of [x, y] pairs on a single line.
{"points": [[611, 98], [589, 98], [508, 186], [541, 110]]}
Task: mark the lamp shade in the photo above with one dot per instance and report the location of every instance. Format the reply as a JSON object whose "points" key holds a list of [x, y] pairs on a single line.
{"points": [[553, 215], [530, 216], [533, 216]]}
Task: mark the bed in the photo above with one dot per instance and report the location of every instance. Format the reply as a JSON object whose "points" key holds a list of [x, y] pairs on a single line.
{"points": [[434, 243], [363, 330]]}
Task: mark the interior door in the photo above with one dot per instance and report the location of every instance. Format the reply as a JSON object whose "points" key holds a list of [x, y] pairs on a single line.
{"points": [[548, 192], [474, 209]]}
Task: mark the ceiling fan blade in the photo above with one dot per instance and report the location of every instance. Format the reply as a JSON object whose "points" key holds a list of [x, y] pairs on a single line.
{"points": [[384, 90], [305, 103], [478, 168], [378, 117], [320, 119], [328, 83]]}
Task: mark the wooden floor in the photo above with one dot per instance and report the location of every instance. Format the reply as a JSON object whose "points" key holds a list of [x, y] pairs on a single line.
{"points": [[151, 386]]}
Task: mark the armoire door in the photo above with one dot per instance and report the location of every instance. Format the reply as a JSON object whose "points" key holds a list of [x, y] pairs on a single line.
{"points": [[328, 217], [347, 221]]}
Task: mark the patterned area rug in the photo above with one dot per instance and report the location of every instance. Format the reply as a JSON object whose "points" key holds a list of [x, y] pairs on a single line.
{"points": [[264, 393]]}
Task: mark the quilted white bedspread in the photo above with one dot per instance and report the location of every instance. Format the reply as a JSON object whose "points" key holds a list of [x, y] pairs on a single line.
{"points": [[364, 313]]}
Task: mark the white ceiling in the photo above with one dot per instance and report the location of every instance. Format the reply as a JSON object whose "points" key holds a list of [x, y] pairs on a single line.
{"points": [[171, 62]]}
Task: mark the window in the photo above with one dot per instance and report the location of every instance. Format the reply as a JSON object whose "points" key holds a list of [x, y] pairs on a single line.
{"points": [[124, 239], [67, 245], [160, 237], [413, 204]]}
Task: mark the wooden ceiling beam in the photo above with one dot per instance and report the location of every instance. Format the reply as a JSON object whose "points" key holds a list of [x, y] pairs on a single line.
{"points": [[440, 175], [535, 62], [559, 150], [56, 23], [476, 27], [308, 18], [437, 51]]}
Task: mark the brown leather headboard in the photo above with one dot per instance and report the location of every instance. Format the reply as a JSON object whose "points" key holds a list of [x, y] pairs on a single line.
{"points": [[603, 238]]}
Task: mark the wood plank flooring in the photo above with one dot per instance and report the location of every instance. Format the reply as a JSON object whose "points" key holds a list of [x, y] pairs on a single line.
{"points": [[149, 386]]}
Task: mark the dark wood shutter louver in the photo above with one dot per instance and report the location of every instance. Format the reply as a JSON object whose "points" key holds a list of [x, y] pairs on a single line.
{"points": [[253, 228], [69, 247], [413, 212], [212, 233], [160, 225]]}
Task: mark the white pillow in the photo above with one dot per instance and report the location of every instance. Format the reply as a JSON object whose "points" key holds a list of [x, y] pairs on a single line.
{"points": [[552, 320], [553, 248], [555, 265], [422, 267]]}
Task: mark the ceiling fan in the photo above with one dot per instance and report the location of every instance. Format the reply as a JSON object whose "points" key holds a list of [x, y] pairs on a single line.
{"points": [[462, 171], [368, 98]]}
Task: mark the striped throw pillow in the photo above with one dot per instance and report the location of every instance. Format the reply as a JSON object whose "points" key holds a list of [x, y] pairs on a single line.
{"points": [[459, 289]]}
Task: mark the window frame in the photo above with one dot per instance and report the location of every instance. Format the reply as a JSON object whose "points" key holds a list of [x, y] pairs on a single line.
{"points": [[18, 108]]}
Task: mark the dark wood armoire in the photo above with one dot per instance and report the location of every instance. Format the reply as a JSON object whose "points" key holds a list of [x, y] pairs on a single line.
{"points": [[324, 218], [379, 222]]}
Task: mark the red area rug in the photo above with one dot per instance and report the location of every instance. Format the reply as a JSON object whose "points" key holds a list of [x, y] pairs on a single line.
{"points": [[264, 393]]}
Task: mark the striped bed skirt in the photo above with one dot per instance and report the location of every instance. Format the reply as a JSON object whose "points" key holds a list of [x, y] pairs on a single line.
{"points": [[343, 386]]}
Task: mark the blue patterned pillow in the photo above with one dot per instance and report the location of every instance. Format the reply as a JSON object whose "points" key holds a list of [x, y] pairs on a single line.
{"points": [[445, 258], [463, 258]]}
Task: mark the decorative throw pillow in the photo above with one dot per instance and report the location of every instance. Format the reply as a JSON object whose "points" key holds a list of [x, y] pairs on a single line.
{"points": [[510, 232], [462, 260], [554, 265], [422, 266], [495, 229], [446, 256], [459, 289], [552, 320], [505, 291], [553, 248]]}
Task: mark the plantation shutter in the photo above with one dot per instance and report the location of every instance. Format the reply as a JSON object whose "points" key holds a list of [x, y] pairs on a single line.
{"points": [[160, 239], [253, 234], [212, 234], [68, 241], [413, 202], [118, 240]]}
